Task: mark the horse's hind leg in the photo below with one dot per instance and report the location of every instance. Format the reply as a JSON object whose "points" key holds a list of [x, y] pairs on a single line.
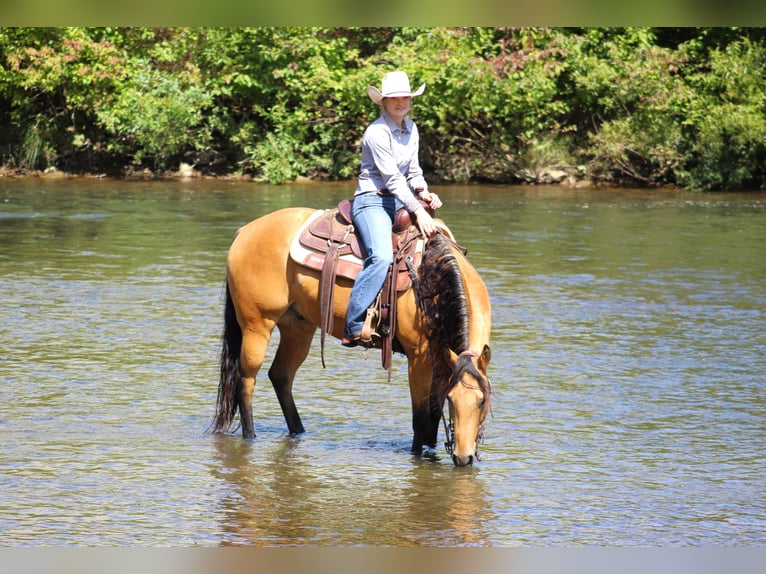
{"points": [[254, 345], [296, 335]]}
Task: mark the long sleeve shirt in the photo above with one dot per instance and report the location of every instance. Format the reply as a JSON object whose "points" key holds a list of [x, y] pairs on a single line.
{"points": [[390, 160]]}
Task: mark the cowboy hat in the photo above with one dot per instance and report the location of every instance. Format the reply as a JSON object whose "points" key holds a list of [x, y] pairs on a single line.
{"points": [[395, 85]]}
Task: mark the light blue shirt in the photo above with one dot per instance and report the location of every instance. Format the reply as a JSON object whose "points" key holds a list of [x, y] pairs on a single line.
{"points": [[390, 160]]}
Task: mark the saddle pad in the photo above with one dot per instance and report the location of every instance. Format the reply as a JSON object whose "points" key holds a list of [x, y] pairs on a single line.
{"points": [[349, 265]]}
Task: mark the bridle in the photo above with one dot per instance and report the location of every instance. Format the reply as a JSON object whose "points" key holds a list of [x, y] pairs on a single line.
{"points": [[449, 427], [449, 431]]}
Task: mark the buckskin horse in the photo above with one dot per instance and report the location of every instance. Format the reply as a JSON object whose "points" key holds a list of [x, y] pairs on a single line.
{"points": [[442, 325]]}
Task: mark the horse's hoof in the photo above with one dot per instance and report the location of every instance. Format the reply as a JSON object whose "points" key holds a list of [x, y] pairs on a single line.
{"points": [[428, 452]]}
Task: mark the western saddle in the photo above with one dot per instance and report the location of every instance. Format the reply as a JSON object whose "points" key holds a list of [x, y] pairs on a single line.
{"points": [[331, 247]]}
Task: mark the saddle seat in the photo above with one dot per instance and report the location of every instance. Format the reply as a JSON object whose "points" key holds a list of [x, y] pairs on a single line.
{"points": [[327, 243]]}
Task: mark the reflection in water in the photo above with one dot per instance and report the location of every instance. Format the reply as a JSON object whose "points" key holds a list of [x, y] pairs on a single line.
{"points": [[266, 494], [283, 497], [449, 504]]}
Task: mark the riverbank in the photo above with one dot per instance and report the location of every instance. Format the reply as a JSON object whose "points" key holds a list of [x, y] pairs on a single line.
{"points": [[559, 176], [185, 171]]}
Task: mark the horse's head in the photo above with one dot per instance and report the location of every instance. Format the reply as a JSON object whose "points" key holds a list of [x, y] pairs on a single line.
{"points": [[468, 398]]}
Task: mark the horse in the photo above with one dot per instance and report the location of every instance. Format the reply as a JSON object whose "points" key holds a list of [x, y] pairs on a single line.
{"points": [[443, 325]]}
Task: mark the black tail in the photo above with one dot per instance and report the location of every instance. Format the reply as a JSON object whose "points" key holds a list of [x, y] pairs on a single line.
{"points": [[226, 405]]}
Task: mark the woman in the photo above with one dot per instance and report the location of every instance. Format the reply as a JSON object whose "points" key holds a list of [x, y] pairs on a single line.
{"points": [[390, 178]]}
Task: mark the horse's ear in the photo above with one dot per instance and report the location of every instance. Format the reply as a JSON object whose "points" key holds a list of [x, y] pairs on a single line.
{"points": [[485, 357], [453, 357]]}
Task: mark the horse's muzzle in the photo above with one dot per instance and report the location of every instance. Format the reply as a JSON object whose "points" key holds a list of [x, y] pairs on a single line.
{"points": [[466, 460]]}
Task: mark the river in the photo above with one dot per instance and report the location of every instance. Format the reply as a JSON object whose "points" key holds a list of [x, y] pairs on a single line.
{"points": [[629, 354]]}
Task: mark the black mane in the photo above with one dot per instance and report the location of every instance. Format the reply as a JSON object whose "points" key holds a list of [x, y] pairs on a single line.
{"points": [[442, 298]]}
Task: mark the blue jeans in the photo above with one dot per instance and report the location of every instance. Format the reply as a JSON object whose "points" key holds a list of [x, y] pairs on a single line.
{"points": [[373, 217]]}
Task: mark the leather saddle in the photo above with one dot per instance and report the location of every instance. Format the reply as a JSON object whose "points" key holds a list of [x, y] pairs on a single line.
{"points": [[333, 228], [328, 244]]}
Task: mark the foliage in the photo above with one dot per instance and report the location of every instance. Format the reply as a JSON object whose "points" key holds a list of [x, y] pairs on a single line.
{"points": [[52, 82], [636, 97], [725, 133], [643, 106], [157, 116]]}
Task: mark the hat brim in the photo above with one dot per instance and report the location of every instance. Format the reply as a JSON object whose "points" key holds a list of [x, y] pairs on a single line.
{"points": [[377, 96]]}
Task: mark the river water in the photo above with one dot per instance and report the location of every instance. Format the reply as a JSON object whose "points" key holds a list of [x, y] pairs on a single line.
{"points": [[629, 354]]}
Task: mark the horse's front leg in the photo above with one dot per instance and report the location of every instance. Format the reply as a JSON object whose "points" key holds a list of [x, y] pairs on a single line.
{"points": [[425, 426], [425, 413]]}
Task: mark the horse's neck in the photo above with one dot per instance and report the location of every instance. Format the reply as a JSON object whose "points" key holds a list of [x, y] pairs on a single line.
{"points": [[477, 298]]}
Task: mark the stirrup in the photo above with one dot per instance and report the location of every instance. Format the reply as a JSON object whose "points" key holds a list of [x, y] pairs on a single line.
{"points": [[369, 330]]}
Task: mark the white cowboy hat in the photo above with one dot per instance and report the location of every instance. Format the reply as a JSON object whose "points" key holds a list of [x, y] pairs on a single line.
{"points": [[395, 85]]}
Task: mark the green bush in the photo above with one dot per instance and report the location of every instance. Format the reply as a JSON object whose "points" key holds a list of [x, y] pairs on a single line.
{"points": [[725, 130], [636, 96], [156, 116], [52, 80], [642, 106]]}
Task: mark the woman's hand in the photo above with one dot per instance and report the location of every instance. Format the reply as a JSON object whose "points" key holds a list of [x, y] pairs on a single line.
{"points": [[431, 199], [425, 222]]}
